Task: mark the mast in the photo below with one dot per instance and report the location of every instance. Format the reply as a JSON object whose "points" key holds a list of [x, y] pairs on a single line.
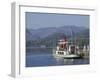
{"points": [[72, 34]]}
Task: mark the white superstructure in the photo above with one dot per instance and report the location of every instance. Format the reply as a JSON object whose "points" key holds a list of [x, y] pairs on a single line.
{"points": [[66, 50]]}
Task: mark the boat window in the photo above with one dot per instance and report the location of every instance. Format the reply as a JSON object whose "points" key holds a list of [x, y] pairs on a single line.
{"points": [[60, 53]]}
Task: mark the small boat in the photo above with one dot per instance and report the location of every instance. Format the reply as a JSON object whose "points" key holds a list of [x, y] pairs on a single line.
{"points": [[64, 49]]}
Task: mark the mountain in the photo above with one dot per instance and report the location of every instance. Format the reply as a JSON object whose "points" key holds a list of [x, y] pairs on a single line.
{"points": [[85, 33], [56, 32], [30, 36], [55, 36]]}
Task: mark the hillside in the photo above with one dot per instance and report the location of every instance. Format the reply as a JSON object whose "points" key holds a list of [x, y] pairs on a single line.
{"points": [[50, 36]]}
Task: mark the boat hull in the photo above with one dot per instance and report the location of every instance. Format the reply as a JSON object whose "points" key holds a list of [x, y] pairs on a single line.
{"points": [[71, 56]]}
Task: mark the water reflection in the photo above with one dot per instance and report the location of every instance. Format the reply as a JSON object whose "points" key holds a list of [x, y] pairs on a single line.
{"points": [[39, 59], [64, 61]]}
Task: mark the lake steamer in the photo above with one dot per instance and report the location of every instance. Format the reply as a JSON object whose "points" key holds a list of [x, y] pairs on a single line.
{"points": [[65, 49]]}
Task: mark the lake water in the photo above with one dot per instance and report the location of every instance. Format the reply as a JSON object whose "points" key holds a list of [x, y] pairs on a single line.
{"points": [[39, 60]]}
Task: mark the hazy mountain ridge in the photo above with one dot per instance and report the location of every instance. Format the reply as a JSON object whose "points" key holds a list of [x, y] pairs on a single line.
{"points": [[54, 32]]}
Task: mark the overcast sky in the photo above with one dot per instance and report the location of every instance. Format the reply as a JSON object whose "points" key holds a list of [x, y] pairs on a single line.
{"points": [[42, 20]]}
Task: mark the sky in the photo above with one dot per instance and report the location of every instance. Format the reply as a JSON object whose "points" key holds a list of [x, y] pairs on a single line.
{"points": [[44, 20]]}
